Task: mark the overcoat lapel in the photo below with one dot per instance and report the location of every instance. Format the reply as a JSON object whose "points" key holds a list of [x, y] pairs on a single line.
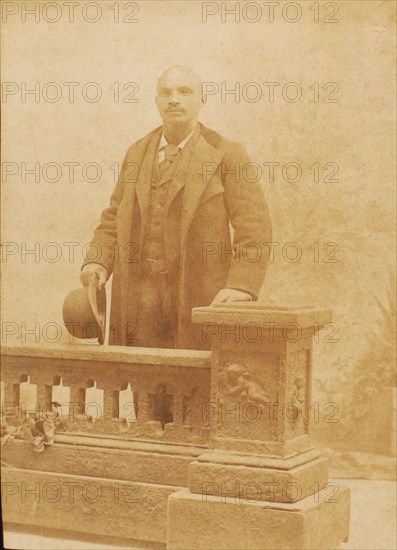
{"points": [[180, 175], [143, 184], [135, 158], [197, 180], [189, 172]]}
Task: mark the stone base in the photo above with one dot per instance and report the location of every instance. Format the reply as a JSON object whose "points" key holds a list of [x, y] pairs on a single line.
{"points": [[318, 522], [89, 505], [146, 462], [228, 475]]}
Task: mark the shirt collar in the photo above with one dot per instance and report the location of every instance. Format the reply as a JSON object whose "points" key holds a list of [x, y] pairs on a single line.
{"points": [[181, 145]]}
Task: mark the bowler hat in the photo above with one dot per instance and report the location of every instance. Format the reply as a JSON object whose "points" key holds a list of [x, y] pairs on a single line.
{"points": [[84, 312]]}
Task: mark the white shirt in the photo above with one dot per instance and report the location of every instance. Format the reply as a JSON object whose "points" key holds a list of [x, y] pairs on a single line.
{"points": [[164, 143]]}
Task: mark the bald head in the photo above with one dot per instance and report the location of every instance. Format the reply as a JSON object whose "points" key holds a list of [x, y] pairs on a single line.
{"points": [[179, 97], [179, 73]]}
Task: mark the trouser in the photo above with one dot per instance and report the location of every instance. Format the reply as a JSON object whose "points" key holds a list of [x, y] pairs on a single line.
{"points": [[154, 330], [154, 326]]}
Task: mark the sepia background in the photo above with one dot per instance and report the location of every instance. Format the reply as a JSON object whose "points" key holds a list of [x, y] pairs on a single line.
{"points": [[340, 214]]}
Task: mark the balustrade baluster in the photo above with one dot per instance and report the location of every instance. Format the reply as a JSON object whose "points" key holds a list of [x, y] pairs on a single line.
{"points": [[143, 407], [178, 409]]}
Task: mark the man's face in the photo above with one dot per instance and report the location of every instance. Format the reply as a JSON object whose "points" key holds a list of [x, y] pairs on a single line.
{"points": [[179, 96]]}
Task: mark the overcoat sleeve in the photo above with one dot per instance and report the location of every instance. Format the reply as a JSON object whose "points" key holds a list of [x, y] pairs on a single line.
{"points": [[249, 215], [102, 248]]}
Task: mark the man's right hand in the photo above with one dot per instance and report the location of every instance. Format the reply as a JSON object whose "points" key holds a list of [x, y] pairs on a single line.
{"points": [[92, 271]]}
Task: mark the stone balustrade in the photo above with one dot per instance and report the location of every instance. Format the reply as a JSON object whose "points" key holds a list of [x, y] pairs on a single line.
{"points": [[131, 393], [178, 442]]}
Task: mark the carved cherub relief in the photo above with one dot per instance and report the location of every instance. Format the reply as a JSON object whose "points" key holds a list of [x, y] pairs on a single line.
{"points": [[237, 383]]}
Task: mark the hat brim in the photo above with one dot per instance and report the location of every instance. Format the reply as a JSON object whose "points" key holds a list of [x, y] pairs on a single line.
{"points": [[97, 301]]}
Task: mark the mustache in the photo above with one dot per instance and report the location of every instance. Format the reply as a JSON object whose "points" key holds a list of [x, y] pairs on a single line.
{"points": [[173, 110]]}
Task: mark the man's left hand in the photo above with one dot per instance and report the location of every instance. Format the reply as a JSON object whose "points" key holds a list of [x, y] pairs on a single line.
{"points": [[227, 295]]}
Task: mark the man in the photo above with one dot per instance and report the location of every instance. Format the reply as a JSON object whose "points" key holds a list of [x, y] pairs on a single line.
{"points": [[166, 234]]}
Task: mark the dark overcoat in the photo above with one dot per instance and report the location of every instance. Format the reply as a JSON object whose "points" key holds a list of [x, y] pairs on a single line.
{"points": [[215, 205]]}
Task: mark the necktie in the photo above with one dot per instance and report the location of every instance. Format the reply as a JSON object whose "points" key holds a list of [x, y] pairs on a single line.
{"points": [[171, 152]]}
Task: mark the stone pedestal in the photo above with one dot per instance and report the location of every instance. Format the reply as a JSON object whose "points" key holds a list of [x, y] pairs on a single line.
{"points": [[208, 522], [261, 484]]}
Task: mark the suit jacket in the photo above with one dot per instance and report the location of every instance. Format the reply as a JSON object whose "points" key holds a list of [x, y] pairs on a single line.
{"points": [[209, 192]]}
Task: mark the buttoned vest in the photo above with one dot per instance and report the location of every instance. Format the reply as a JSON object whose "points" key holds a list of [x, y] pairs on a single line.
{"points": [[154, 259]]}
